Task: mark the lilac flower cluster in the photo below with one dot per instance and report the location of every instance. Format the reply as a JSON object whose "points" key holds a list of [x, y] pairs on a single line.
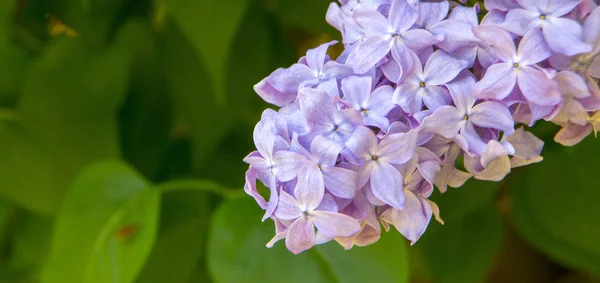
{"points": [[360, 142]]}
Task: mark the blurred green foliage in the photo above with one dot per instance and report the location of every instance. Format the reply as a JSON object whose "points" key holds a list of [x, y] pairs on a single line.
{"points": [[122, 128]]}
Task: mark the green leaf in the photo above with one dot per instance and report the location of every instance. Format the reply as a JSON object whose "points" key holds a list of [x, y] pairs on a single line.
{"points": [[456, 203], [65, 120], [196, 111], [215, 21], [181, 238], [462, 251], [308, 15], [105, 227], [555, 205], [30, 241], [237, 253]]}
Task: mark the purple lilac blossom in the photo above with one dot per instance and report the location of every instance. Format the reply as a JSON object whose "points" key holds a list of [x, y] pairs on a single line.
{"points": [[360, 142]]}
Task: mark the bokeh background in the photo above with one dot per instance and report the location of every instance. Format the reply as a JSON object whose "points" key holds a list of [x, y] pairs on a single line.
{"points": [[123, 124]]}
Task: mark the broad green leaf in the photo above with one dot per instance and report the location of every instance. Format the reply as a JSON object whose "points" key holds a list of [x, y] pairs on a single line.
{"points": [[462, 251], [30, 241], [180, 244], [145, 118], [6, 10], [105, 228], [7, 210], [195, 109], [554, 205], [13, 70], [237, 253], [210, 27], [65, 120]]}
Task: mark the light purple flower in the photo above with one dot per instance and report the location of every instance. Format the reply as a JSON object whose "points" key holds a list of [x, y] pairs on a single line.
{"points": [[382, 35], [516, 67], [425, 86], [374, 105], [302, 210], [560, 34], [379, 160]]}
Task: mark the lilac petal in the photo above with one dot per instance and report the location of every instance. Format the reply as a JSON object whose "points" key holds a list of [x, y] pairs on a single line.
{"points": [[300, 236], [502, 5], [533, 4], [289, 80], [398, 148], [334, 17], [372, 22], [387, 185], [429, 169], [442, 68], [419, 39], [533, 48], [572, 134], [406, 58], [495, 171], [333, 225], [363, 142], [368, 54], [333, 69], [271, 95], [340, 182], [461, 90], [445, 121], [527, 148], [250, 188], [558, 8], [392, 70], [287, 165], [379, 101], [465, 14], [412, 220], [499, 39], [538, 88], [432, 12], [328, 204], [316, 57], [356, 89], [591, 27], [493, 151], [402, 16], [494, 115], [520, 21], [457, 34], [436, 97], [407, 97], [565, 36], [571, 84], [474, 142], [594, 68], [325, 151], [264, 138], [497, 83], [287, 208], [310, 188], [316, 106]]}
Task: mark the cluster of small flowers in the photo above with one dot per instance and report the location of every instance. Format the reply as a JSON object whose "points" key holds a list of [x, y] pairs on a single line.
{"points": [[359, 142]]}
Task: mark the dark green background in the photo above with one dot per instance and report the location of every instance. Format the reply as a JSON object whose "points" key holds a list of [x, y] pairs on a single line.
{"points": [[122, 128]]}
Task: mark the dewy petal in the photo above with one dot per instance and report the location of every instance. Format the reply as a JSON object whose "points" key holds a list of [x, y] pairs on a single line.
{"points": [[287, 208], [499, 39], [287, 165], [333, 225], [520, 21], [412, 220], [538, 88], [402, 16], [445, 121], [497, 83], [356, 89], [398, 148], [533, 48], [442, 68], [436, 97], [289, 80], [494, 115], [316, 57], [368, 54], [310, 188], [387, 184], [565, 36], [341, 182], [300, 236]]}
